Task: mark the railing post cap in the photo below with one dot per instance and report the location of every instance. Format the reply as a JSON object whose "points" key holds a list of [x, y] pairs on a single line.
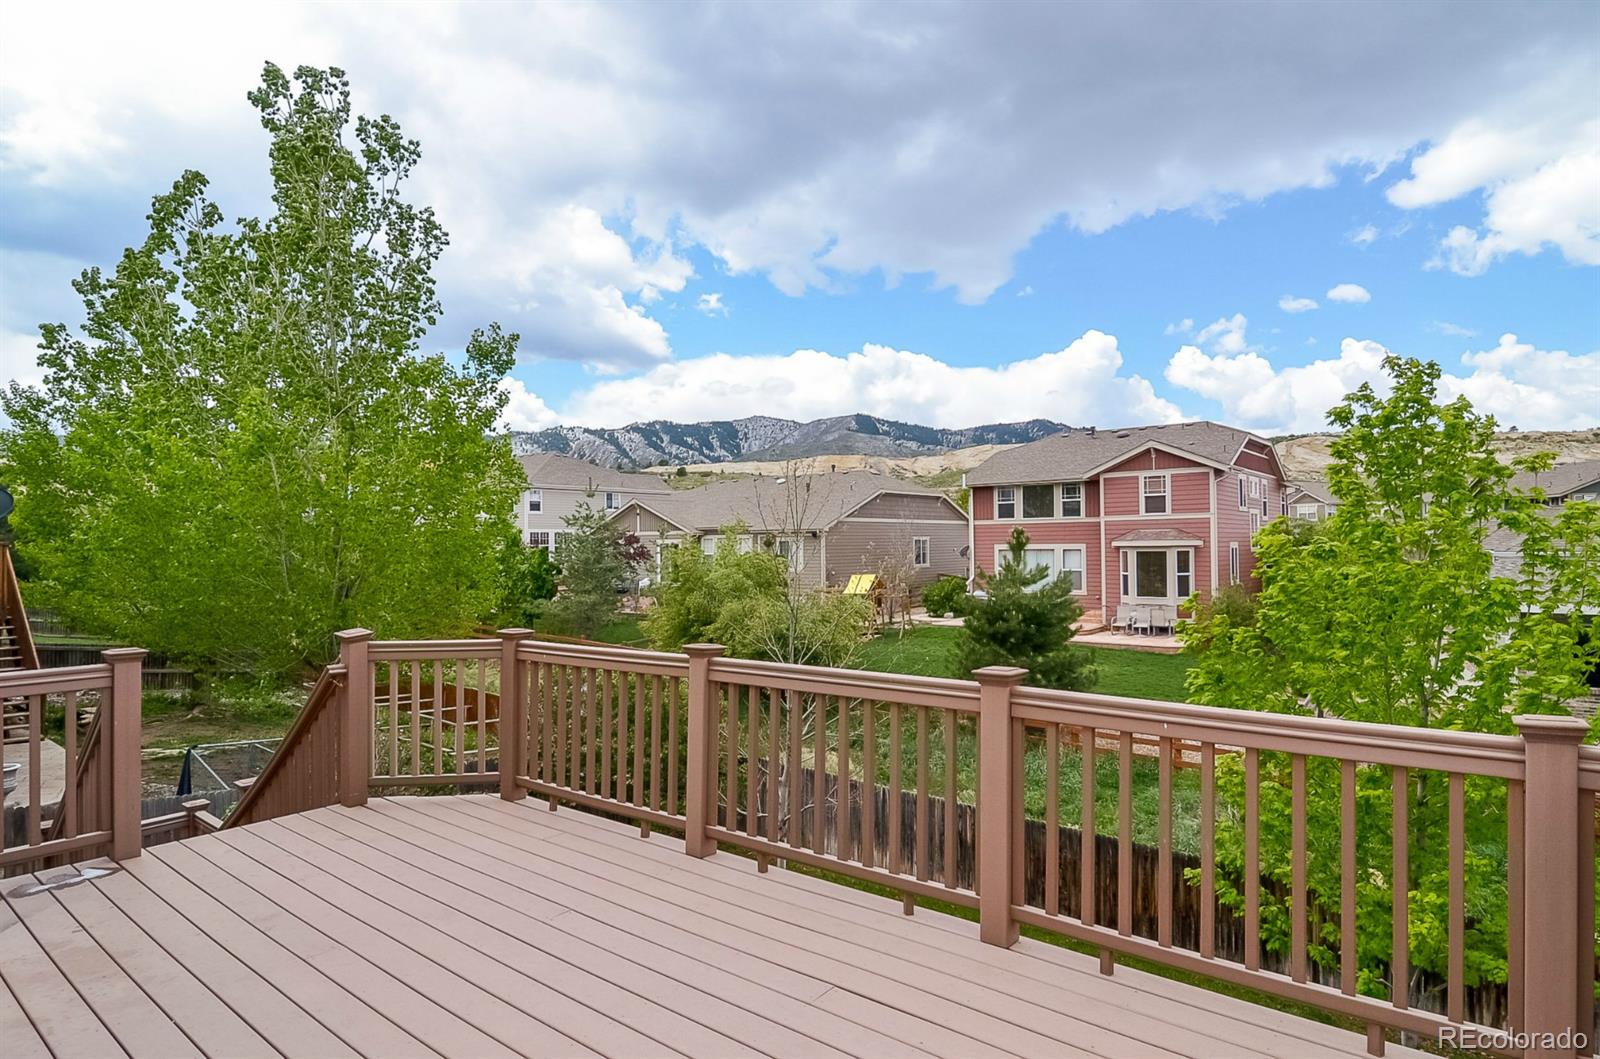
{"points": [[1009, 675], [1551, 727], [123, 654], [703, 650], [352, 635], [514, 634], [195, 805]]}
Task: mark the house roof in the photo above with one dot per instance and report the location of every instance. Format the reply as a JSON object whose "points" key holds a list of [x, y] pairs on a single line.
{"points": [[551, 470], [1317, 490], [1561, 479], [803, 502], [1156, 535], [1080, 453]]}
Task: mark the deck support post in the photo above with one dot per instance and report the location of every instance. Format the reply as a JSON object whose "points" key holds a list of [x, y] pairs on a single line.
{"points": [[1551, 1005], [512, 724], [997, 795], [700, 784], [355, 717], [122, 723]]}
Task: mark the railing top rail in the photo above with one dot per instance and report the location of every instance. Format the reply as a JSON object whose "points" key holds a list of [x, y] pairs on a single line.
{"points": [[602, 655], [416, 650], [51, 681], [939, 692], [327, 681], [1429, 748]]}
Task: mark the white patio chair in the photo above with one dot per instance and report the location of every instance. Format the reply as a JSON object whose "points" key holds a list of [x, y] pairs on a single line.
{"points": [[1139, 620], [1120, 622]]}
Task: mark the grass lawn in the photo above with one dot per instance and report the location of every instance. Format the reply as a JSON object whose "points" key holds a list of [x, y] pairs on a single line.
{"points": [[930, 651], [624, 631]]}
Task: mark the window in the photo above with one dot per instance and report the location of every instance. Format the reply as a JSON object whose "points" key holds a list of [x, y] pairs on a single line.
{"points": [[539, 539], [1243, 501], [919, 551], [1255, 524], [1266, 498], [1283, 502], [613, 501], [1233, 562], [1255, 487], [1153, 494], [535, 501], [1072, 567], [1127, 587], [1184, 560], [792, 550], [1040, 558], [1038, 501], [708, 544], [1005, 502], [555, 542], [1308, 512], [1150, 574], [1071, 499]]}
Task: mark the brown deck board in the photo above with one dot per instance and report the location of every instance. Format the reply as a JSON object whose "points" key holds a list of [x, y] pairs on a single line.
{"points": [[469, 926]]}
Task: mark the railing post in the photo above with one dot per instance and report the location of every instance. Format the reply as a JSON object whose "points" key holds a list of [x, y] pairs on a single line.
{"points": [[995, 802], [1550, 885], [355, 717], [512, 722], [121, 727], [700, 785]]}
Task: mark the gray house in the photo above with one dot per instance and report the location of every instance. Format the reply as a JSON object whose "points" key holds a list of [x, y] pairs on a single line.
{"points": [[829, 526], [558, 484], [1309, 501], [1579, 480]]}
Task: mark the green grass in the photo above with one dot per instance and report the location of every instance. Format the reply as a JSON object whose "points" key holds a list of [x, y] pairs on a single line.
{"points": [[930, 651], [624, 631]]}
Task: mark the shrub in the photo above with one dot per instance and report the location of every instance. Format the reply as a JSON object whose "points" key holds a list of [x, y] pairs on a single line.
{"points": [[1024, 620], [945, 596]]}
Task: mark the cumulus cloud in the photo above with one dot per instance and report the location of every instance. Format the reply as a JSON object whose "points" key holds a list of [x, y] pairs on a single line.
{"points": [[711, 304], [1080, 384], [1225, 335], [1182, 327], [1290, 304], [1522, 385], [525, 410], [1353, 293]]}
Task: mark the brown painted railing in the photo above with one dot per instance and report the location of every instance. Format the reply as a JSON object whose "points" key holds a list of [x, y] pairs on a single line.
{"points": [[918, 783], [303, 774], [98, 813]]}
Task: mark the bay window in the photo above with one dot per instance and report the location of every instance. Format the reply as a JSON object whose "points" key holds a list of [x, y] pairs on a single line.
{"points": [[1183, 561]]}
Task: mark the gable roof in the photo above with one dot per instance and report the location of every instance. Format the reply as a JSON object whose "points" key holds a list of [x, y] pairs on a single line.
{"points": [[551, 470], [764, 503], [1081, 453], [1316, 490], [1561, 479]]}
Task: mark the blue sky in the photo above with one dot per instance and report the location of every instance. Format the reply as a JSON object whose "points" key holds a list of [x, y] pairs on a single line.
{"points": [[947, 214]]}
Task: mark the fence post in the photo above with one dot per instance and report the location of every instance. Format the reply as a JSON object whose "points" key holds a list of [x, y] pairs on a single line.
{"points": [[121, 728], [355, 717], [1550, 884], [512, 723], [995, 802], [700, 785]]}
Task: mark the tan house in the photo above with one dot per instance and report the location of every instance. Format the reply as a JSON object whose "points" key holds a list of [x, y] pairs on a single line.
{"points": [[1310, 501], [557, 484], [829, 526]]}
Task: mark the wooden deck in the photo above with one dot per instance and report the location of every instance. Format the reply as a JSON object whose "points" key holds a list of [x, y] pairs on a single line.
{"points": [[470, 926]]}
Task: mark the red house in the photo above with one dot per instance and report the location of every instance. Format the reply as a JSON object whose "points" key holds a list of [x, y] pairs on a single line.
{"points": [[1141, 515]]}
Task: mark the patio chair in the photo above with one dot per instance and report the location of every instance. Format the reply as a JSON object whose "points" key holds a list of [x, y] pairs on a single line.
{"points": [[1120, 622], [1164, 617], [1139, 620]]}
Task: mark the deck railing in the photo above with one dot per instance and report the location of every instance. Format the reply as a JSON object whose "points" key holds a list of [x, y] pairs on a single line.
{"points": [[920, 784], [98, 810]]}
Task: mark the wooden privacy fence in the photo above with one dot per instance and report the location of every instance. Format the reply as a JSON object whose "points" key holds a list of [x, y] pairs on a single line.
{"points": [[823, 766]]}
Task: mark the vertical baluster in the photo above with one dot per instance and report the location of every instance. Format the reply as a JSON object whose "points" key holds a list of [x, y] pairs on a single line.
{"points": [[1347, 877], [1400, 887], [920, 832], [1052, 821], [591, 730], [1086, 848], [867, 841], [947, 722], [35, 704], [1252, 859], [1455, 1000], [843, 781], [752, 767], [655, 742], [416, 719], [69, 786], [438, 718], [1164, 749], [1584, 997], [1208, 853], [547, 752], [1516, 940], [1297, 870], [774, 755], [483, 722], [796, 821], [623, 682], [819, 769], [638, 739], [896, 850], [395, 671], [461, 715], [561, 724], [1125, 834], [672, 746], [608, 734], [731, 816]]}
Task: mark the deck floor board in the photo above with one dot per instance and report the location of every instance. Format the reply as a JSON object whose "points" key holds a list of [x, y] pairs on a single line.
{"points": [[468, 926]]}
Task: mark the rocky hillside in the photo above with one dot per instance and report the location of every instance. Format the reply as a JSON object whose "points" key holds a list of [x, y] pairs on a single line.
{"points": [[1307, 456], [763, 438]]}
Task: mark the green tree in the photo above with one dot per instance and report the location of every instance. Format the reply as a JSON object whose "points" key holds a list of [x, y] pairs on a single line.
{"points": [[1024, 619], [1391, 611], [244, 448], [528, 577], [597, 562]]}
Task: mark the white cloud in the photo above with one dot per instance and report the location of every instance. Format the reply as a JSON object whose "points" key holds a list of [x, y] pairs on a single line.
{"points": [[1290, 304], [1557, 205], [1025, 292], [1524, 386], [1366, 235], [19, 359], [1349, 292], [1182, 327], [525, 410], [1445, 327], [711, 304], [1081, 384], [1225, 335]]}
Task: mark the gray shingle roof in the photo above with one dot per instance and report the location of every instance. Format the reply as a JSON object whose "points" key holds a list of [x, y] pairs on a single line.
{"points": [[1318, 491], [1155, 534], [551, 470], [1561, 479], [805, 502], [1076, 453]]}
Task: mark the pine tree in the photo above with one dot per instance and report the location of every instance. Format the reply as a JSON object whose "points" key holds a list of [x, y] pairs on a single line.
{"points": [[1025, 619]]}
